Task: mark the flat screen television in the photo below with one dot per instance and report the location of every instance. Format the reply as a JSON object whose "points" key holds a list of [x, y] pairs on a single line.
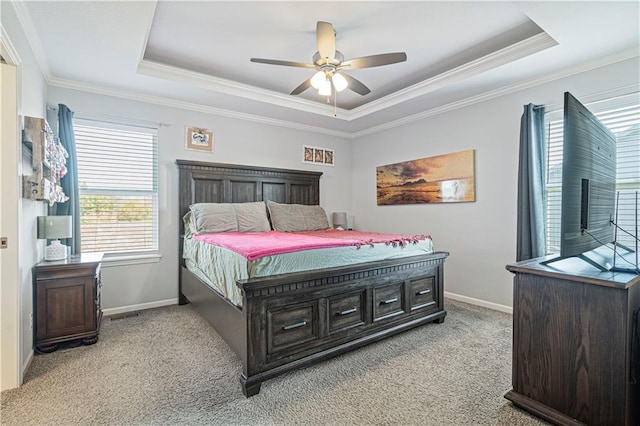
{"points": [[588, 181]]}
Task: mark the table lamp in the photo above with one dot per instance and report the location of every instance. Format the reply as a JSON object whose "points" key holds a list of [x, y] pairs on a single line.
{"points": [[54, 228], [339, 220]]}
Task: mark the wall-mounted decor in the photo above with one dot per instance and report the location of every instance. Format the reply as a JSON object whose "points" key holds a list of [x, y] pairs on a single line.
{"points": [[448, 178], [48, 162], [317, 155], [199, 139]]}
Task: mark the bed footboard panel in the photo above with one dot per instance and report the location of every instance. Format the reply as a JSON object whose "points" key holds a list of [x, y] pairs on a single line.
{"points": [[298, 319]]}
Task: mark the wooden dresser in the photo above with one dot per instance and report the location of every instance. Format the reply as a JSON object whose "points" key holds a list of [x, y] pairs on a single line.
{"points": [[576, 343], [66, 301]]}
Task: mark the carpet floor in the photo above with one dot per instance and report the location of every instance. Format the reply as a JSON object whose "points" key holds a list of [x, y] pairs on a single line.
{"points": [[167, 366]]}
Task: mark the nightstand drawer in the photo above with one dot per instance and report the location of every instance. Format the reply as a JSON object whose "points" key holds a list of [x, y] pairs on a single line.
{"points": [[292, 326], [66, 301]]}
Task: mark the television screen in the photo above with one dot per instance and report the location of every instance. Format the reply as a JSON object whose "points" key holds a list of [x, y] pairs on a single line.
{"points": [[588, 181]]}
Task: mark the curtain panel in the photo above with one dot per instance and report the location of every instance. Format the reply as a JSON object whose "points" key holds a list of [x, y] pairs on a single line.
{"points": [[531, 226], [69, 182]]}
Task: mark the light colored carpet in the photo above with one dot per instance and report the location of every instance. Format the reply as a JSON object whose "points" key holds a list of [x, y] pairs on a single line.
{"points": [[167, 366]]}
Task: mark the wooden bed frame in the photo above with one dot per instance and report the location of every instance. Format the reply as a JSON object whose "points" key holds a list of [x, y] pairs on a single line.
{"points": [[292, 320]]}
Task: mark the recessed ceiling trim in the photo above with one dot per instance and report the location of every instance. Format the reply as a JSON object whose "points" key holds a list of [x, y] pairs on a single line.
{"points": [[495, 59], [588, 66], [229, 87], [172, 103], [500, 57]]}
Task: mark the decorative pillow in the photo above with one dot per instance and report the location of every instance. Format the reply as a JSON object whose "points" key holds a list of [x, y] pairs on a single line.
{"points": [[252, 217], [214, 217], [297, 217], [189, 224], [229, 217]]}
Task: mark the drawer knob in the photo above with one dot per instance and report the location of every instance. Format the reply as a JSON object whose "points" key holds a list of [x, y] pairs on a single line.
{"points": [[347, 312], [388, 301], [423, 292], [296, 325]]}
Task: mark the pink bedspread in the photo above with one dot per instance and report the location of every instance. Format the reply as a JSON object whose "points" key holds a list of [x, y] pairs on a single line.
{"points": [[255, 245]]}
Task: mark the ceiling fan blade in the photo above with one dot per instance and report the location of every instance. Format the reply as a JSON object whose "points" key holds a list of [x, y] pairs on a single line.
{"points": [[356, 85], [374, 60], [326, 38], [304, 86], [284, 63]]}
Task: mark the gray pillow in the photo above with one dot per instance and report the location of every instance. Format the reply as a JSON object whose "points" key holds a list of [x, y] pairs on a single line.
{"points": [[214, 217], [297, 217], [252, 217]]}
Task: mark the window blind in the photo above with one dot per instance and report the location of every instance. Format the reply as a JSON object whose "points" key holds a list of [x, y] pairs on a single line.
{"points": [[118, 185], [622, 117]]}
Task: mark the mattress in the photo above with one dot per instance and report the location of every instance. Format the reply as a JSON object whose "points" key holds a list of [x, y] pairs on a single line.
{"points": [[220, 267]]}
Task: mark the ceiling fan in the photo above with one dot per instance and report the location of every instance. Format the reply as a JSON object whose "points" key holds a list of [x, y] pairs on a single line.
{"points": [[330, 65]]}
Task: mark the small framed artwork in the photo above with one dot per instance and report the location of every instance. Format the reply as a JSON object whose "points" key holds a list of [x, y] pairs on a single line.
{"points": [[328, 157], [307, 154], [199, 139], [317, 155]]}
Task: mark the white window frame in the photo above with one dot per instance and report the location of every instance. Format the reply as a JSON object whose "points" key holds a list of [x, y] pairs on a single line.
{"points": [[134, 256]]}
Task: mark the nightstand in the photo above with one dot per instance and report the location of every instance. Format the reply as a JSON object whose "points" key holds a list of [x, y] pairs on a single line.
{"points": [[66, 301]]}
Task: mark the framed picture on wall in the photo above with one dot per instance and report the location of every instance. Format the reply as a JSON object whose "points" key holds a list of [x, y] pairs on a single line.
{"points": [[199, 139], [328, 157], [307, 154], [317, 155]]}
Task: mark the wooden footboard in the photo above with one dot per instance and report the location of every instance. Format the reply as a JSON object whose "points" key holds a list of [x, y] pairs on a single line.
{"points": [[293, 320]]}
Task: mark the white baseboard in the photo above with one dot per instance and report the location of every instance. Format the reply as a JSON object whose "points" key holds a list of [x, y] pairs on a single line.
{"points": [[26, 365], [139, 307], [479, 302]]}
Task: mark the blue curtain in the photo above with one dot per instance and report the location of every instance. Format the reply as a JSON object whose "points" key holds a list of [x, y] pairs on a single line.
{"points": [[531, 185], [69, 182]]}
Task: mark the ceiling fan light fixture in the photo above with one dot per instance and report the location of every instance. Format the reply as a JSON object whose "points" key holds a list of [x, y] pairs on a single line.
{"points": [[317, 81], [325, 88], [339, 82]]}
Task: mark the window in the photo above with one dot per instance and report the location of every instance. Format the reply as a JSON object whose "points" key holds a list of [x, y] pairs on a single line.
{"points": [[118, 185], [622, 117]]}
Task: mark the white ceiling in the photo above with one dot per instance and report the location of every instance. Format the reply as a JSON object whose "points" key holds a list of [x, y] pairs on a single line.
{"points": [[196, 54]]}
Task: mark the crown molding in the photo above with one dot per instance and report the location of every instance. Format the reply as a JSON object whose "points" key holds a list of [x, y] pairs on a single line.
{"points": [[495, 59], [230, 87], [511, 53], [588, 66], [33, 39], [7, 49], [134, 96], [157, 100]]}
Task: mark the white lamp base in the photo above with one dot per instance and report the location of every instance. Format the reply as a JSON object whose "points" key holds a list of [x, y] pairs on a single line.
{"points": [[55, 251]]}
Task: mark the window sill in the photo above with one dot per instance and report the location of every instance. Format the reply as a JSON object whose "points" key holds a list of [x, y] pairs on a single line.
{"points": [[110, 261]]}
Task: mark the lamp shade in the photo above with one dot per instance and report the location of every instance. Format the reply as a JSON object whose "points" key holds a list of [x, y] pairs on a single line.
{"points": [[339, 219], [54, 227]]}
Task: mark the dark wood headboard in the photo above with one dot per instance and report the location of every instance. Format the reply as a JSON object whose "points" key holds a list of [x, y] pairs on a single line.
{"points": [[201, 182]]}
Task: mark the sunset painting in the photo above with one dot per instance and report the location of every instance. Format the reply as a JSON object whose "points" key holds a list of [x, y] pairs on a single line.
{"points": [[445, 178]]}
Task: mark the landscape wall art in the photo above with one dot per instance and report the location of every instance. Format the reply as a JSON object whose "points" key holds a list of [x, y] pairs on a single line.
{"points": [[448, 178]]}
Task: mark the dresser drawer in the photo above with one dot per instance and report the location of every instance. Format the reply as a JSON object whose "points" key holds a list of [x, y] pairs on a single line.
{"points": [[422, 292], [345, 311], [388, 301], [292, 326]]}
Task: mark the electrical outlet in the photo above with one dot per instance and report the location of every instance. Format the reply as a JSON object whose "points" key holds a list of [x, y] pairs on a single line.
{"points": [[31, 320]]}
